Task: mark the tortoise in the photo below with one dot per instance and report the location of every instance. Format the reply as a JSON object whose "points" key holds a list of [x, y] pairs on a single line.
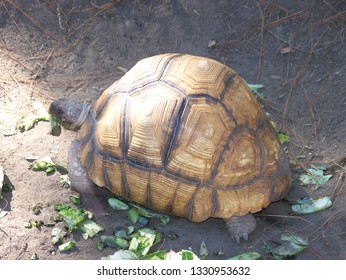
{"points": [[179, 134]]}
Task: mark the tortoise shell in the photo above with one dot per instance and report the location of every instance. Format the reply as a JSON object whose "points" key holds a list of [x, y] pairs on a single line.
{"points": [[184, 135]]}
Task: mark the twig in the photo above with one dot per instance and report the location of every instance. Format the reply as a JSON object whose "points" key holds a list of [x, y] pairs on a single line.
{"points": [[10, 55], [4, 232], [34, 22], [15, 23], [260, 62], [22, 249], [312, 108]]}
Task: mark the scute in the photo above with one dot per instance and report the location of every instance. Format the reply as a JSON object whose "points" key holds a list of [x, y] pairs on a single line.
{"points": [[144, 72], [195, 75], [184, 135], [201, 138], [243, 104], [241, 161], [108, 130], [151, 113]]}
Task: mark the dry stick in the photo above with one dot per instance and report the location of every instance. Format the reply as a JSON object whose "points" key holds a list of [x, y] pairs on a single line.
{"points": [[65, 50], [314, 252], [285, 216], [288, 18], [5, 232], [15, 23], [260, 62], [70, 47], [338, 190], [332, 219], [330, 6], [9, 54], [312, 109], [295, 79], [22, 249], [275, 6], [341, 15], [34, 22], [102, 9]]}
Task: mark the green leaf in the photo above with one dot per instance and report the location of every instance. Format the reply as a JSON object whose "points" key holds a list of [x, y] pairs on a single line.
{"points": [[115, 242], [247, 256], [182, 255], [117, 204], [283, 14], [10, 132], [158, 255], [108, 241], [36, 209], [122, 243], [40, 114], [281, 135], [143, 240], [296, 238], [133, 215], [34, 257], [164, 219], [55, 127], [203, 250], [67, 246], [100, 246], [90, 228], [255, 89], [309, 205], [122, 255], [75, 199], [73, 217], [292, 245], [130, 229], [45, 164], [65, 181], [58, 235], [314, 176], [60, 207]]}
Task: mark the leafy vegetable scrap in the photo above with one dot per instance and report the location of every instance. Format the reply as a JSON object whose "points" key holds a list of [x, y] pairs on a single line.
{"points": [[308, 205], [315, 175], [136, 213], [292, 244], [45, 164], [39, 114], [77, 218], [255, 90], [135, 245]]}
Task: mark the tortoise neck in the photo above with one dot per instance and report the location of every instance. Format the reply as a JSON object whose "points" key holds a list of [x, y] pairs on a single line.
{"points": [[82, 117]]}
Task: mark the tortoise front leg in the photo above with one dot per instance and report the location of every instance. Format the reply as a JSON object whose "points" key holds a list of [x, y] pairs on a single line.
{"points": [[81, 182], [240, 226]]}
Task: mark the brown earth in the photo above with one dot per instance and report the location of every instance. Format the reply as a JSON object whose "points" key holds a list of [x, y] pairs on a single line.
{"points": [[75, 49]]}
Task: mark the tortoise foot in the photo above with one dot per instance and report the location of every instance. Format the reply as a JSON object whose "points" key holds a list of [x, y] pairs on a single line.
{"points": [[240, 226], [81, 183]]}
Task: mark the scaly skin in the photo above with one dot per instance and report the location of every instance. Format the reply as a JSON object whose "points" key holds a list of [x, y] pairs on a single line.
{"points": [[240, 226], [81, 182]]}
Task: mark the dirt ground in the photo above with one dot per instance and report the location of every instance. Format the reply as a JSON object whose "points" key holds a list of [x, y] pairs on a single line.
{"points": [[75, 49]]}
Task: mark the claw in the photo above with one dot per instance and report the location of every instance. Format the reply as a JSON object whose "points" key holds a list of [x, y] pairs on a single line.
{"points": [[245, 236], [237, 238]]}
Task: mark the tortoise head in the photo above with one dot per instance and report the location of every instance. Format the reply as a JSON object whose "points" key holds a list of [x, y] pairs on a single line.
{"points": [[69, 113]]}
